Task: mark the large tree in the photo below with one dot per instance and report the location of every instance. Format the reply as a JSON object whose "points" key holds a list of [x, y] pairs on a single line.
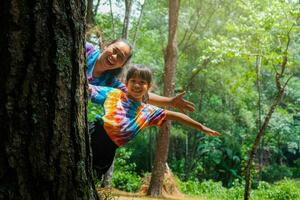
{"points": [[44, 150], [162, 147]]}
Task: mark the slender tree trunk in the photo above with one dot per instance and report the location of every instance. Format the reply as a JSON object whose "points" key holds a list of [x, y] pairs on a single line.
{"points": [[161, 155], [44, 148], [112, 20], [138, 25], [256, 144], [89, 13], [107, 178], [96, 9], [280, 91], [258, 85], [128, 5]]}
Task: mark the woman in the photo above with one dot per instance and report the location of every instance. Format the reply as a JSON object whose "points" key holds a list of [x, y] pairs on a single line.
{"points": [[104, 68]]}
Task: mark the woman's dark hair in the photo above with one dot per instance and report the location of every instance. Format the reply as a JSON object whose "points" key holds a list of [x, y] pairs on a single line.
{"points": [[140, 71], [118, 71]]}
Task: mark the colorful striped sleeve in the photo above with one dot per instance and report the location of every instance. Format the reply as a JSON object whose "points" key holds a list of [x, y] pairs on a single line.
{"points": [[157, 116], [99, 93]]}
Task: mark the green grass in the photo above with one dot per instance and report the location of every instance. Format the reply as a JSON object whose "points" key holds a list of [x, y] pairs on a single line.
{"points": [[282, 190]]}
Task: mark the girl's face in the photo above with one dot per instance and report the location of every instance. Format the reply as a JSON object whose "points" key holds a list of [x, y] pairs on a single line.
{"points": [[114, 56], [137, 88]]}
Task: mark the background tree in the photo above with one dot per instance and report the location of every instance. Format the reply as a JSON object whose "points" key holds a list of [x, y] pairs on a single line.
{"points": [[90, 14], [44, 141], [142, 4], [281, 84], [128, 6], [162, 147]]}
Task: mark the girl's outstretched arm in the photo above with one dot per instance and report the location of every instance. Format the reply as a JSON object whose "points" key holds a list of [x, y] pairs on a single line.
{"points": [[176, 102], [184, 119]]}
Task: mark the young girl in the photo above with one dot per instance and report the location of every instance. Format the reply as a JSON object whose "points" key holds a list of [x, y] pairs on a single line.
{"points": [[104, 67], [126, 115]]}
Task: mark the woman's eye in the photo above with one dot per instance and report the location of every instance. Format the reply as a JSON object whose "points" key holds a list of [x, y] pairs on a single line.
{"points": [[119, 57], [115, 51]]}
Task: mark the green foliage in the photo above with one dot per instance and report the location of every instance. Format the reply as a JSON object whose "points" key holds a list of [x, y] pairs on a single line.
{"points": [[296, 168], [93, 111], [125, 177], [126, 181], [276, 172], [232, 36], [283, 190], [207, 187]]}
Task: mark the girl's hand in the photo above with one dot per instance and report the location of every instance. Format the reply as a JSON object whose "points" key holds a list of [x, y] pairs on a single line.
{"points": [[179, 103], [212, 133]]}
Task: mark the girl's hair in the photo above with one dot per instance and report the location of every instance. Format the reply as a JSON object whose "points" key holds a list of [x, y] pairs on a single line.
{"points": [[140, 71], [118, 71]]}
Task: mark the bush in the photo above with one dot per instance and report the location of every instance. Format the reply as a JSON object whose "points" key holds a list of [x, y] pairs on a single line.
{"points": [[208, 189], [125, 178], [282, 190], [126, 181], [296, 169], [276, 172]]}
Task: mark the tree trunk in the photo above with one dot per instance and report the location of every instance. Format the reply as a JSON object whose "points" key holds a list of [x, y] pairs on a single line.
{"points": [[96, 9], [138, 25], [44, 149], [107, 178], [161, 155], [128, 5], [90, 13], [258, 87], [112, 20], [280, 91]]}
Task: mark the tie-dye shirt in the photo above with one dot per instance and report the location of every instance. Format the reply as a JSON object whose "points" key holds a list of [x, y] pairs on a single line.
{"points": [[107, 79], [123, 117]]}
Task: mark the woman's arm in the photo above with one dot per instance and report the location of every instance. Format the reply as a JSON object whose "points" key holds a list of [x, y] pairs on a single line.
{"points": [[184, 119], [175, 102]]}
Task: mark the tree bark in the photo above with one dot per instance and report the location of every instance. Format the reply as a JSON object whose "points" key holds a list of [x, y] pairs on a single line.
{"points": [[112, 20], [138, 25], [128, 5], [280, 91], [90, 13], [96, 9], [44, 148], [107, 178], [161, 155]]}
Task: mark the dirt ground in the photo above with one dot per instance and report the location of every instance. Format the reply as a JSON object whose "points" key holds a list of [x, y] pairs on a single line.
{"points": [[114, 194], [169, 191]]}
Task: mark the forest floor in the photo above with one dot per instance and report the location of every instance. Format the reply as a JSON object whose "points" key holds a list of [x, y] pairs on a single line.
{"points": [[170, 191], [114, 194]]}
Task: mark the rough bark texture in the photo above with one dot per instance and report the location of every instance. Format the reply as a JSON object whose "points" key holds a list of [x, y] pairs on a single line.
{"points": [[128, 5], [107, 178], [44, 149], [161, 155], [90, 13]]}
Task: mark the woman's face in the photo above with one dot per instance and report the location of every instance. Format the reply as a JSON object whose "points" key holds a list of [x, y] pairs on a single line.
{"points": [[114, 56]]}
